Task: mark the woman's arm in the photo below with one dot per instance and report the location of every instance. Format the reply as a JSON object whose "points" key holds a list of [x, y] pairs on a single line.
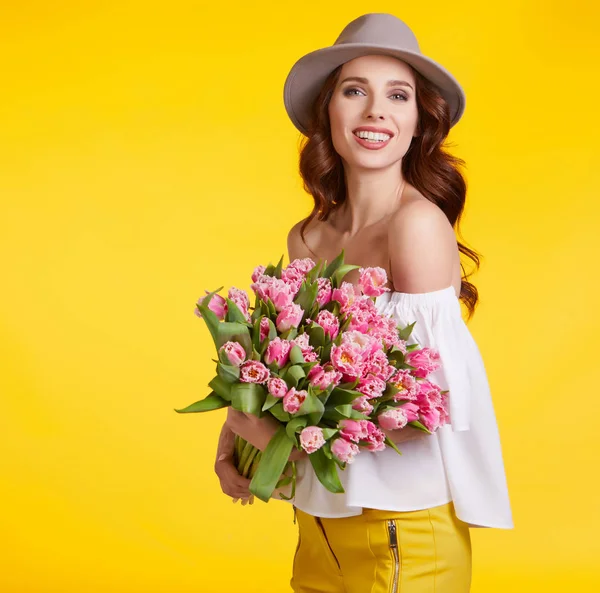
{"points": [[408, 433], [232, 483]]}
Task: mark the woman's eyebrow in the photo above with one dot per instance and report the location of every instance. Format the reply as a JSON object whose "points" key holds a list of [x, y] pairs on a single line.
{"points": [[365, 81]]}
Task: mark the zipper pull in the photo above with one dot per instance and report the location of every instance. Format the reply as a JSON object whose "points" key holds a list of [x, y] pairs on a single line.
{"points": [[393, 534]]}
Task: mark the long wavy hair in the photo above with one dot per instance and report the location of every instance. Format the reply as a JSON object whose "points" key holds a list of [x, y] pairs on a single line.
{"points": [[426, 166]]}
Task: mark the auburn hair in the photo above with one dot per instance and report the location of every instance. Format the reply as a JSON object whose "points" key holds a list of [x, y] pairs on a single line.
{"points": [[426, 166]]}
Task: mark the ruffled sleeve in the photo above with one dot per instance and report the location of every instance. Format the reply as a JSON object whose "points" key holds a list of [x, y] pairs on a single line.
{"points": [[439, 325], [470, 445]]}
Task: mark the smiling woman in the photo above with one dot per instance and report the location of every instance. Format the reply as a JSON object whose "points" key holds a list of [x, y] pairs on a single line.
{"points": [[375, 113]]}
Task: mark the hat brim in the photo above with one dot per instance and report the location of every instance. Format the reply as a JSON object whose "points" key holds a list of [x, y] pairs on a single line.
{"points": [[308, 74]]}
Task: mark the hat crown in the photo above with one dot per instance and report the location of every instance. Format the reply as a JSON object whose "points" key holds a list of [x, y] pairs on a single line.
{"points": [[381, 29]]}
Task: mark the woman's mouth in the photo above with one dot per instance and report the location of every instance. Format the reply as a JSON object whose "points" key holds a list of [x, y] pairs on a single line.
{"points": [[372, 140]]}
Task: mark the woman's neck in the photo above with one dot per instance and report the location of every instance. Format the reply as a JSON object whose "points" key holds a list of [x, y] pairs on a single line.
{"points": [[371, 196]]}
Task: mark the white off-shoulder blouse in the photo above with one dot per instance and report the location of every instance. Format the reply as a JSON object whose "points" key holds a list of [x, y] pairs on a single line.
{"points": [[462, 462]]}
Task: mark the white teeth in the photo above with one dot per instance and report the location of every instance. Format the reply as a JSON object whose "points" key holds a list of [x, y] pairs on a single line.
{"points": [[373, 136]]}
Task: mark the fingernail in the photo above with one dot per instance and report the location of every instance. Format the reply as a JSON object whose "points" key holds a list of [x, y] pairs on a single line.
{"points": [[235, 500], [222, 456], [252, 499]]}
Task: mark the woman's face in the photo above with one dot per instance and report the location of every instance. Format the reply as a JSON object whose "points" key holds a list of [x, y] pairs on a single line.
{"points": [[376, 92]]}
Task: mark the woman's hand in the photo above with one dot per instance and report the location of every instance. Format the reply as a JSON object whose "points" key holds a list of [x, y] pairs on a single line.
{"points": [[257, 431], [408, 433], [232, 483]]}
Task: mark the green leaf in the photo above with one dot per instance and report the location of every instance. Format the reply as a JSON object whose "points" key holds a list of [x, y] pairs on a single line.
{"points": [[294, 375], [256, 333], [334, 265], [284, 481], [293, 425], [344, 410], [234, 313], [289, 334], [405, 333], [419, 426], [315, 271], [343, 396], [339, 274], [391, 444], [316, 335], [296, 355], [211, 402], [221, 387], [211, 320], [344, 326], [278, 268], [326, 470], [273, 461], [278, 412], [248, 397], [271, 309], [270, 401], [306, 297], [328, 433], [228, 372], [313, 407], [396, 355]]}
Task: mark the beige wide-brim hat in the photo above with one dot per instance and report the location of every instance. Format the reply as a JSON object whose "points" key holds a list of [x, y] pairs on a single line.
{"points": [[373, 33]]}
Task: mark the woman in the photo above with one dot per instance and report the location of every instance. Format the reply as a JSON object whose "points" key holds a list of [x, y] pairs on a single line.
{"points": [[376, 112]]}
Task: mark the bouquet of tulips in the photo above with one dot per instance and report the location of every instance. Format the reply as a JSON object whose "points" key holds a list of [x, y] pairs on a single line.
{"points": [[315, 353]]}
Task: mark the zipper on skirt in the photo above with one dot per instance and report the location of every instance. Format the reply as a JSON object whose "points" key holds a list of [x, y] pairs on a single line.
{"points": [[393, 538]]}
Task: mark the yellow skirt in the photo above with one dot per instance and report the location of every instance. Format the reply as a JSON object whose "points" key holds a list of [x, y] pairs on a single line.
{"points": [[427, 551]]}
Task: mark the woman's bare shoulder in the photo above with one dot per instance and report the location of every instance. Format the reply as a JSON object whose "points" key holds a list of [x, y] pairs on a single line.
{"points": [[297, 248]]}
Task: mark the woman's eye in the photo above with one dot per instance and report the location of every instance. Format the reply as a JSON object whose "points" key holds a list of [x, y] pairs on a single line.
{"points": [[352, 91]]}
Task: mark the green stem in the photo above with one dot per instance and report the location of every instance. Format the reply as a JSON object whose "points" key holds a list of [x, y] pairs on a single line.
{"points": [[244, 456], [254, 465], [246, 469], [238, 448]]}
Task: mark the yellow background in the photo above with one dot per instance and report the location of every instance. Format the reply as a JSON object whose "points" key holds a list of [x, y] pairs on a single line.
{"points": [[146, 155]]}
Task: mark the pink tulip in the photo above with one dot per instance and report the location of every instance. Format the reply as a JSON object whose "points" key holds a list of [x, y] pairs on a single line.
{"points": [[325, 290], [411, 410], [329, 322], [372, 281], [353, 430], [277, 387], [234, 352], [312, 439], [375, 437], [321, 379], [362, 404], [344, 450], [293, 399], [345, 295], [240, 298], [264, 328], [258, 272], [253, 371], [278, 291], [290, 316], [304, 265], [371, 385], [392, 419], [278, 352], [426, 360], [347, 358], [218, 305], [404, 380]]}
